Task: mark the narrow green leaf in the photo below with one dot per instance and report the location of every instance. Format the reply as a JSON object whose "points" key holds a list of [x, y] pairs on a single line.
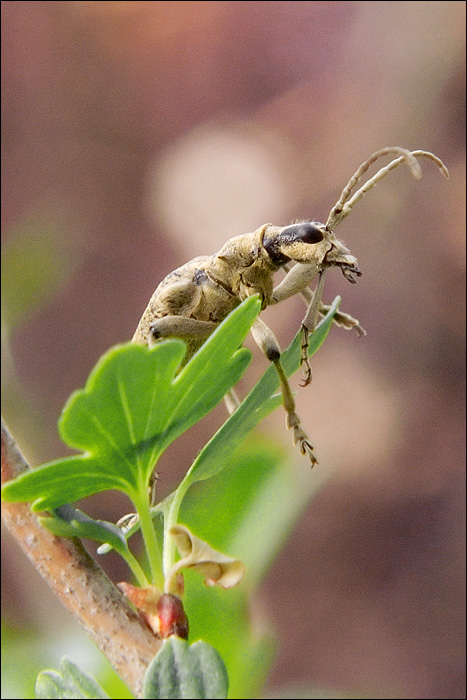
{"points": [[257, 405], [70, 682], [67, 521], [182, 671]]}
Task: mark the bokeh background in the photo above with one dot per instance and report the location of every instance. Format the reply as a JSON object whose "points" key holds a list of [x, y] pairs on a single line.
{"points": [[137, 135]]}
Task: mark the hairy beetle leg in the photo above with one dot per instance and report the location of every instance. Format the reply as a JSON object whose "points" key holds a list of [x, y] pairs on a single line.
{"points": [[300, 438], [304, 361], [345, 321], [342, 320], [293, 422]]}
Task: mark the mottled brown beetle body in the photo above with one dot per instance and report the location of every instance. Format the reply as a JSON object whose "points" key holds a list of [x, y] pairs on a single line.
{"points": [[191, 301], [208, 288]]}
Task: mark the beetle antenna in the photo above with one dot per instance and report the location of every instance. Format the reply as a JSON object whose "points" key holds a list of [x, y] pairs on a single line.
{"points": [[347, 201]]}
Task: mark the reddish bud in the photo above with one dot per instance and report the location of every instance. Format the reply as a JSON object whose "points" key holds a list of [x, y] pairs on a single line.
{"points": [[172, 617]]}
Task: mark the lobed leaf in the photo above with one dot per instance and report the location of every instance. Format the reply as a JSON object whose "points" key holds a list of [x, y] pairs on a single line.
{"points": [[133, 406]]}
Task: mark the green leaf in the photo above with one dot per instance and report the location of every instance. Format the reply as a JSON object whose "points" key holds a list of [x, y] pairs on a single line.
{"points": [[133, 406], [71, 682], [182, 671]]}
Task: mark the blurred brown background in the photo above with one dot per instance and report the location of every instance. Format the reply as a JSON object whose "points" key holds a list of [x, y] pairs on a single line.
{"points": [[137, 135]]}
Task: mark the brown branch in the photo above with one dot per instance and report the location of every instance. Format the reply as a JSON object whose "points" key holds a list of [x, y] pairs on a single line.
{"points": [[80, 583]]}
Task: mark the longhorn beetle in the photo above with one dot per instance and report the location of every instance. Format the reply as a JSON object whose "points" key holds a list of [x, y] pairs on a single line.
{"points": [[191, 301]]}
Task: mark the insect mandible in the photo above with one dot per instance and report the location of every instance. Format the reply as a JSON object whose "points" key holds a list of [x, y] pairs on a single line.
{"points": [[192, 300]]}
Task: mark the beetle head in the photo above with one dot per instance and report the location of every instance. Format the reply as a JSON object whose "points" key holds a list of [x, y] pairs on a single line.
{"points": [[310, 243]]}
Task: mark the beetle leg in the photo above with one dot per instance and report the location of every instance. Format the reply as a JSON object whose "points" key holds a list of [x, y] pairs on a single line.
{"points": [[340, 318], [180, 327], [266, 340], [192, 331], [343, 320], [296, 280], [290, 286], [309, 324]]}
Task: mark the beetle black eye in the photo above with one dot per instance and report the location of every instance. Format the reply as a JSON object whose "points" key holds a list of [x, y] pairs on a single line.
{"points": [[309, 233]]}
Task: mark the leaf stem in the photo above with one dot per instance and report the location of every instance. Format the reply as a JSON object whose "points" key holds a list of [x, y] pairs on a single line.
{"points": [[171, 519], [135, 567], [143, 509]]}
